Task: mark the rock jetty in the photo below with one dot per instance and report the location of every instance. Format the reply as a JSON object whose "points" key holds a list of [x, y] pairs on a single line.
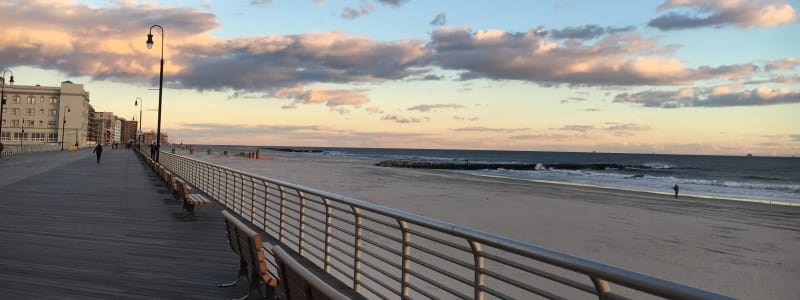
{"points": [[493, 166]]}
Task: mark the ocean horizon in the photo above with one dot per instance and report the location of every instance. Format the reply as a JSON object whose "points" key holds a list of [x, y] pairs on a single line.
{"points": [[768, 179]]}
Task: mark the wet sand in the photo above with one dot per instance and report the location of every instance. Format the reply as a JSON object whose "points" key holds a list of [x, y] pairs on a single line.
{"points": [[741, 249]]}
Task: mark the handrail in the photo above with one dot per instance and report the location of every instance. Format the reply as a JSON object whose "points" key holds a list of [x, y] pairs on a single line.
{"points": [[338, 234]]}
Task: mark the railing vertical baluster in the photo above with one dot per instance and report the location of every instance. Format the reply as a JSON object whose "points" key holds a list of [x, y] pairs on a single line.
{"points": [[357, 247], [406, 253], [302, 235], [252, 199], [478, 268], [283, 213], [328, 228], [266, 205]]}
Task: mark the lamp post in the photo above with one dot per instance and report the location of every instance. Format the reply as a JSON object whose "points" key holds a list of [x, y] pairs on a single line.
{"points": [[160, 83], [136, 103], [76, 137], [21, 135], [3, 102], [63, 127]]}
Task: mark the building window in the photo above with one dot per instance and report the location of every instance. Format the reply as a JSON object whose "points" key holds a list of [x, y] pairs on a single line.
{"points": [[6, 135], [51, 112], [41, 111], [15, 100], [41, 99], [52, 137], [29, 123], [14, 123], [37, 136], [19, 136], [31, 99], [30, 112], [15, 111], [51, 124], [41, 123], [53, 100]]}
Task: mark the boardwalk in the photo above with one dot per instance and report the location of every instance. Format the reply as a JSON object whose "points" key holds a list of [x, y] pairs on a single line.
{"points": [[70, 229]]}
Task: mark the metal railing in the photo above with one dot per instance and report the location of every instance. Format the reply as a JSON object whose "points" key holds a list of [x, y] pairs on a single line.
{"points": [[15, 149], [387, 253]]}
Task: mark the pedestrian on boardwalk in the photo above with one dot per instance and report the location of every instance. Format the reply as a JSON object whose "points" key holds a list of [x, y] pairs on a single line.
{"points": [[676, 189], [98, 150]]}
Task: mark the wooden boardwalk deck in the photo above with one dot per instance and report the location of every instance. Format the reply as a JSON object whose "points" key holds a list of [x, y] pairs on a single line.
{"points": [[72, 229]]}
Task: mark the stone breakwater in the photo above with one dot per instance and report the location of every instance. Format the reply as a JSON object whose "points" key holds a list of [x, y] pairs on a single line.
{"points": [[493, 166]]}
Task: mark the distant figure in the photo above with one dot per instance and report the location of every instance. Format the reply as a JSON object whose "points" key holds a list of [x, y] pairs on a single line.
{"points": [[153, 152], [98, 150], [676, 188]]}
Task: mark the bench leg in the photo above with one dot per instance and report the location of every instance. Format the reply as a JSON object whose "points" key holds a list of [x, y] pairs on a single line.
{"points": [[242, 272]]}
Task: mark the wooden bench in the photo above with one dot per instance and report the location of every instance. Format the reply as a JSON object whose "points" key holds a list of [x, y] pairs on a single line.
{"points": [[247, 243], [190, 200], [301, 279]]}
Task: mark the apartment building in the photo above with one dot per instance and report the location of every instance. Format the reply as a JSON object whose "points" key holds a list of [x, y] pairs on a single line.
{"points": [[41, 114]]}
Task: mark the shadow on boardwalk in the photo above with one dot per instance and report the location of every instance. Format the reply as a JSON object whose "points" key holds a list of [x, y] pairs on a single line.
{"points": [[72, 229]]}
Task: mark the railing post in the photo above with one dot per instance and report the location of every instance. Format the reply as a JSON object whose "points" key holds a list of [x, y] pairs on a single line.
{"points": [[283, 213], [302, 234], [478, 268], [328, 228], [252, 199], [357, 247], [603, 290], [266, 205], [406, 253]]}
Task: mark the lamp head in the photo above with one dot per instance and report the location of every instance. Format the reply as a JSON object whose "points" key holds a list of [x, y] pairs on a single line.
{"points": [[12, 79], [149, 41], [136, 103]]}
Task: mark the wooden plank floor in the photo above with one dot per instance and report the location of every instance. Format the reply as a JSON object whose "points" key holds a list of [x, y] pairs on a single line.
{"points": [[70, 228]]}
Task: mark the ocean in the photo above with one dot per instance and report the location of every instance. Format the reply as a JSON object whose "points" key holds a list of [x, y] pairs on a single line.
{"points": [[751, 178]]}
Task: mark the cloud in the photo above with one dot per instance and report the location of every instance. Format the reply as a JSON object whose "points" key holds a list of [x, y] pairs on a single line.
{"points": [[587, 32], [488, 129], [471, 119], [719, 13], [530, 56], [784, 64], [428, 107], [393, 2], [720, 96], [579, 128], [541, 137], [400, 119], [352, 13], [374, 110], [573, 99], [795, 137], [625, 129], [260, 2], [331, 98], [440, 20]]}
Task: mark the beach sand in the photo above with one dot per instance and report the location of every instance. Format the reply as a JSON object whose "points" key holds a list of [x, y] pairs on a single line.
{"points": [[741, 249]]}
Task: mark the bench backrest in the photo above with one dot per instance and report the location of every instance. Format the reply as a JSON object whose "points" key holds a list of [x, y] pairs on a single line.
{"points": [[298, 282], [248, 244]]}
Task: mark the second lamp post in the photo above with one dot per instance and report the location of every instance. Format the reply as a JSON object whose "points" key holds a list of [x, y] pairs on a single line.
{"points": [[160, 83]]}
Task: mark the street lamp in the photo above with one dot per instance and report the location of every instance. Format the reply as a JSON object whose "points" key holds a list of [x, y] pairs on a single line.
{"points": [[160, 83], [63, 127], [3, 102], [22, 135], [136, 103]]}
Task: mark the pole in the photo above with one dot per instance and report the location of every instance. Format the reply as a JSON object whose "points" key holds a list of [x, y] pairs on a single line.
{"points": [[160, 84], [76, 137], [63, 127], [3, 102]]}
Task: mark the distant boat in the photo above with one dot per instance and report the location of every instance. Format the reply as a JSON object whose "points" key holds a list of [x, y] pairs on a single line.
{"points": [[749, 155]]}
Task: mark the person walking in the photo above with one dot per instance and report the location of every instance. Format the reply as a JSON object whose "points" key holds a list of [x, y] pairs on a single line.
{"points": [[98, 150], [676, 188]]}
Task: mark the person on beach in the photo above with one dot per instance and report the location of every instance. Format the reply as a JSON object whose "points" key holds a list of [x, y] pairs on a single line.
{"points": [[98, 150], [676, 188]]}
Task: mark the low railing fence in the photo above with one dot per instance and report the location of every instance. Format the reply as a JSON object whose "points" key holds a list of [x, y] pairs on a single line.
{"points": [[388, 253], [11, 149]]}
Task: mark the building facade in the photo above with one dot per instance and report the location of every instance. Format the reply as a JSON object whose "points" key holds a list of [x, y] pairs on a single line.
{"points": [[45, 115]]}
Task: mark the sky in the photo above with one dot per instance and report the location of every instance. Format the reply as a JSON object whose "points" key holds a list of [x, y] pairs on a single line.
{"points": [[667, 76]]}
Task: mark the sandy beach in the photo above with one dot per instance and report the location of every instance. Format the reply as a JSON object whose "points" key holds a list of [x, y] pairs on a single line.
{"points": [[741, 249]]}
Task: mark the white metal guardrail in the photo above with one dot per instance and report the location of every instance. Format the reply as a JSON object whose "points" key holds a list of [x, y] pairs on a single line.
{"points": [[388, 253]]}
